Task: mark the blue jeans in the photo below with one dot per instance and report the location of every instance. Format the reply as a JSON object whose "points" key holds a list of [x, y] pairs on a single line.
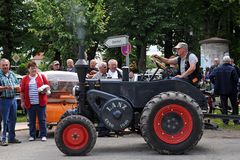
{"points": [[8, 109], [40, 111]]}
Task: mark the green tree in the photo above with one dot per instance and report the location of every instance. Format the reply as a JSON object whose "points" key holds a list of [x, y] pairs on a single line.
{"points": [[14, 23], [62, 26], [143, 21]]}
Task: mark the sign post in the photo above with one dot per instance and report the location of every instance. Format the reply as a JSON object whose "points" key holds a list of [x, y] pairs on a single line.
{"points": [[116, 41], [15, 58], [120, 41], [126, 50]]}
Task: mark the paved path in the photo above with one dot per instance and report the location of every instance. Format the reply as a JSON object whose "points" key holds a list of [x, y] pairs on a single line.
{"points": [[21, 126], [215, 145]]}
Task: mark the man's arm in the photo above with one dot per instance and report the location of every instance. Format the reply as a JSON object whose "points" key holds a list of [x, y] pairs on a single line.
{"points": [[22, 100], [165, 60], [212, 76]]}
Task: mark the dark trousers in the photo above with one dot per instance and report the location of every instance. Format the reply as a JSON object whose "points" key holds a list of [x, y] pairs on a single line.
{"points": [[40, 111], [8, 109], [224, 102], [0, 121]]}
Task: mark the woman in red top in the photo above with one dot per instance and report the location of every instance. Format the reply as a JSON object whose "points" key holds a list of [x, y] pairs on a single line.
{"points": [[34, 101]]}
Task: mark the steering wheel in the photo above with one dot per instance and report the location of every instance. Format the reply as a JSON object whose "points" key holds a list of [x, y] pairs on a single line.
{"points": [[159, 65]]}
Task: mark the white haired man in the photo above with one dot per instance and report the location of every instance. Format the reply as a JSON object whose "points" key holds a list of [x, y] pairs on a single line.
{"points": [[113, 71], [102, 73], [225, 79], [188, 65]]}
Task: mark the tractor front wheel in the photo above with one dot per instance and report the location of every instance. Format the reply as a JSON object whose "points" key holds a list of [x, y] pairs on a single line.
{"points": [[75, 135]]}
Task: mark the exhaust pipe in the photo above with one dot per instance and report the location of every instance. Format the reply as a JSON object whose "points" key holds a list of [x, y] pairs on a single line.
{"points": [[81, 67]]}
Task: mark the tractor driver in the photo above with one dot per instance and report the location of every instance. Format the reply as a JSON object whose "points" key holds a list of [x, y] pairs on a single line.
{"points": [[188, 66]]}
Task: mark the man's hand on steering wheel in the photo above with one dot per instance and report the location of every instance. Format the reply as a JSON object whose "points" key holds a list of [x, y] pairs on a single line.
{"points": [[156, 59]]}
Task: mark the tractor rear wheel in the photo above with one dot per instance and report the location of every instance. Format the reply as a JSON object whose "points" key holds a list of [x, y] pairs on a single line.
{"points": [[75, 135], [172, 123]]}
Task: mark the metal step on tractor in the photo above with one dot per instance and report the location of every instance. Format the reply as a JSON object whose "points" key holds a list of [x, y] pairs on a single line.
{"points": [[168, 114]]}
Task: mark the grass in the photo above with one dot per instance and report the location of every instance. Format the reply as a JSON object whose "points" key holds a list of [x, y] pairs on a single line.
{"points": [[222, 125], [21, 116]]}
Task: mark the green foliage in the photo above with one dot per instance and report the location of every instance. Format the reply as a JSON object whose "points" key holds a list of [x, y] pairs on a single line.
{"points": [[14, 22], [150, 63], [63, 25], [58, 27], [22, 69]]}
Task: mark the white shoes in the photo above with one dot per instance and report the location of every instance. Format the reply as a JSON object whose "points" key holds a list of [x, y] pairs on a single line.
{"points": [[31, 139], [44, 138]]}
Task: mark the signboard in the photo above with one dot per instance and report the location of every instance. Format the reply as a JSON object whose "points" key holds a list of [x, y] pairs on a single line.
{"points": [[16, 58], [126, 49], [116, 41]]}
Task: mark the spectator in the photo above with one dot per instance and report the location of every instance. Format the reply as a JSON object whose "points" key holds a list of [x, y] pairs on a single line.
{"points": [[1, 88], [114, 71], [216, 63], [188, 66], [238, 72], [225, 81], [102, 73], [8, 102], [206, 74], [131, 76], [0, 123], [55, 66], [92, 70], [34, 100], [235, 66], [70, 65]]}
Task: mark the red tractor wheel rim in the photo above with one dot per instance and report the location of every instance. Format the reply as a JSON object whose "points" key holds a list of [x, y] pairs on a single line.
{"points": [[75, 136], [173, 124]]}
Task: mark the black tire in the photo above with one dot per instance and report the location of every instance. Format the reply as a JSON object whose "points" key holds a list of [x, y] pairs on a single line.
{"points": [[75, 135], [68, 113], [172, 123]]}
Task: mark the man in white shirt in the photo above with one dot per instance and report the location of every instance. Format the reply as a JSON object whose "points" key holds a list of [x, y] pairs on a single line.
{"points": [[113, 71]]}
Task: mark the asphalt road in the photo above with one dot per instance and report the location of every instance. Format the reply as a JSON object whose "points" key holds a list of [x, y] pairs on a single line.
{"points": [[215, 145]]}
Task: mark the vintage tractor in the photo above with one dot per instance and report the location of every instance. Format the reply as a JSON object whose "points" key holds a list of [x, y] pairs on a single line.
{"points": [[167, 113]]}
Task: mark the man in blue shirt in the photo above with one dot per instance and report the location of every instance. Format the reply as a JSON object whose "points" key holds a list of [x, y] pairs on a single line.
{"points": [[8, 103]]}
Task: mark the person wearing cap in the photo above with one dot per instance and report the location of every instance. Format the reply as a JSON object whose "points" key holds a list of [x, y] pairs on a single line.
{"points": [[225, 79], [188, 65], [55, 66]]}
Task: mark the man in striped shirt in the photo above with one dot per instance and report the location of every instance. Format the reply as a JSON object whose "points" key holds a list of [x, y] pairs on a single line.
{"points": [[8, 103]]}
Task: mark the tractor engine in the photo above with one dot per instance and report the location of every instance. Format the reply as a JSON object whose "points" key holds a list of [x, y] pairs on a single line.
{"points": [[116, 113]]}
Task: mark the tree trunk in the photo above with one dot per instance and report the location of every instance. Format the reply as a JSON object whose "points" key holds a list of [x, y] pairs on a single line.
{"points": [[168, 44], [7, 42], [92, 52], [142, 58]]}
